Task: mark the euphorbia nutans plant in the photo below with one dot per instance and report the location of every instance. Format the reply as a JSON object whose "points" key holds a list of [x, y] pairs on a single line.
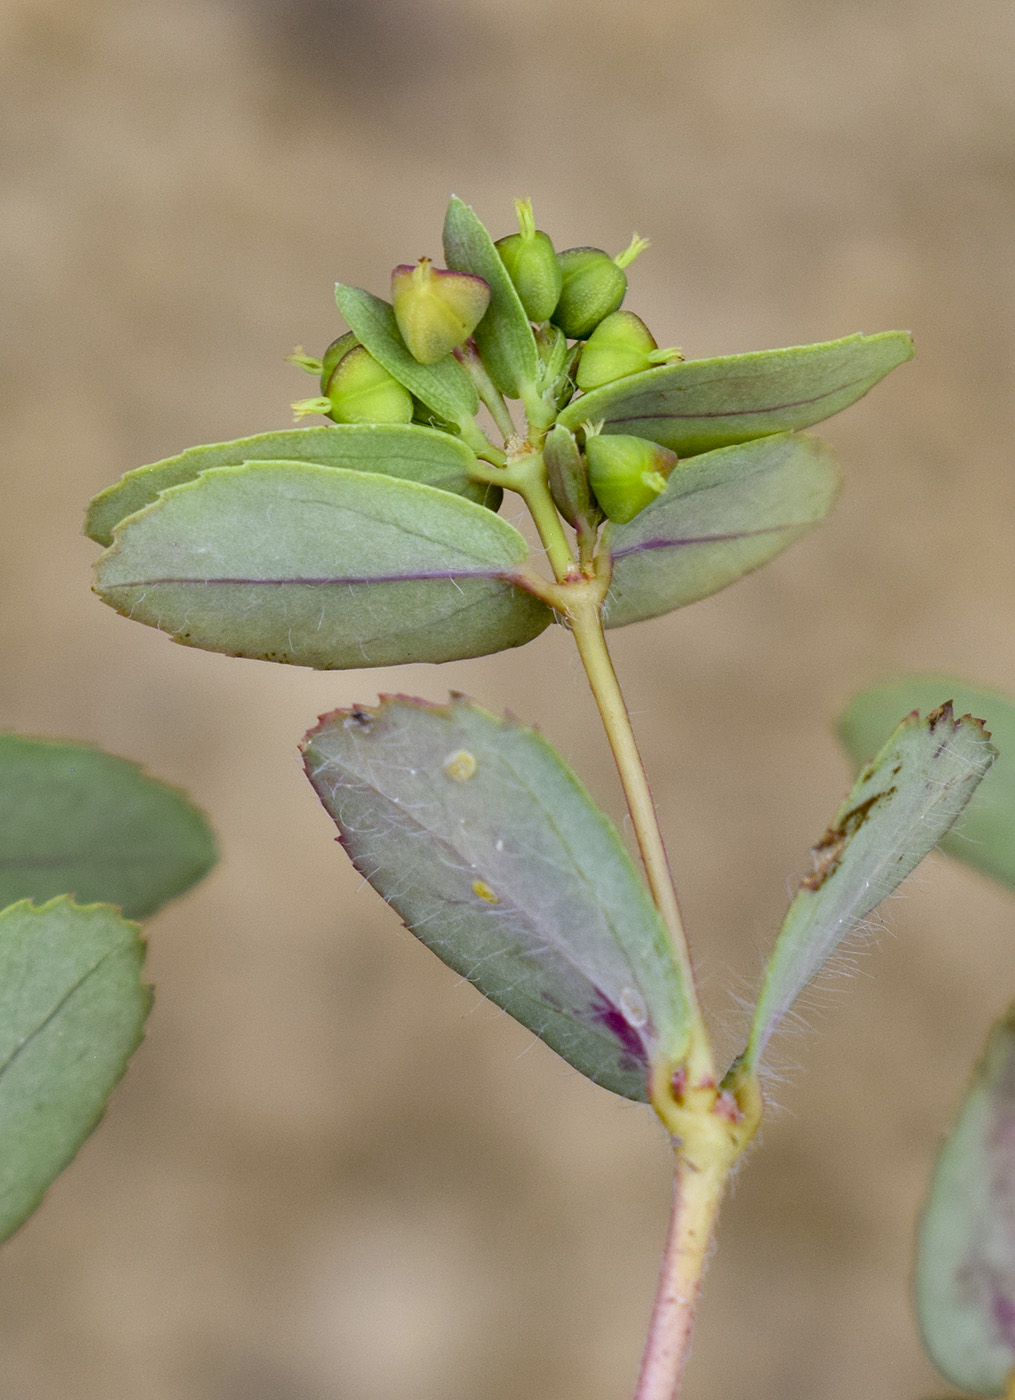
{"points": [[651, 484]]}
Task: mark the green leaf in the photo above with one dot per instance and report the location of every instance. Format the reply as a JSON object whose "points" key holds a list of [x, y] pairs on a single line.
{"points": [[721, 515], [698, 405], [987, 838], [318, 566], [900, 806], [964, 1283], [415, 453], [489, 848], [72, 1008], [74, 820], [503, 337], [443, 386]]}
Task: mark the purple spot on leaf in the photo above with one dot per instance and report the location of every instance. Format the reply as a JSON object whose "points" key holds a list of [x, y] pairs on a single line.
{"points": [[1004, 1316], [611, 1016]]}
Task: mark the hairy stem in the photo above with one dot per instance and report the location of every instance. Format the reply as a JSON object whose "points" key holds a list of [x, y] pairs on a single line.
{"points": [[584, 614], [697, 1195]]}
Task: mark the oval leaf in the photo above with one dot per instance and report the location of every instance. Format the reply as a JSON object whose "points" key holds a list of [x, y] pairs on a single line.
{"points": [[503, 337], [987, 838], [699, 405], [317, 566], [900, 806], [495, 856], [443, 386], [72, 1008], [721, 515], [74, 820], [964, 1284], [389, 449]]}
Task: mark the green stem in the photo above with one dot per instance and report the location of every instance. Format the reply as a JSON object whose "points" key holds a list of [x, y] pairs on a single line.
{"points": [[474, 437], [526, 474], [468, 357], [583, 609]]}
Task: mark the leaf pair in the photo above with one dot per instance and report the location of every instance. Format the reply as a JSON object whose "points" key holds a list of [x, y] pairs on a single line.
{"points": [[77, 827], [320, 565], [494, 855]]}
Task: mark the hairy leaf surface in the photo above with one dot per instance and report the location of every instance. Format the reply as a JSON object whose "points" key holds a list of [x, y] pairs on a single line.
{"points": [[699, 405], [964, 1284], [74, 820], [444, 386], [503, 337], [987, 836], [390, 449], [318, 566], [489, 848], [721, 515], [899, 808], [72, 1008]]}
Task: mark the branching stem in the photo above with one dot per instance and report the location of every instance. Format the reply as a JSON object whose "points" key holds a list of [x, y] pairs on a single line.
{"points": [[584, 613]]}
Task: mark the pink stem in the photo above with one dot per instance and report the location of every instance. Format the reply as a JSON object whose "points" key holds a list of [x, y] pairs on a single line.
{"points": [[697, 1195]]}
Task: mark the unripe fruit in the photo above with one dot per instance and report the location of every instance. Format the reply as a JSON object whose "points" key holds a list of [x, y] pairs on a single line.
{"points": [[532, 265], [620, 345], [361, 390], [626, 473], [338, 347], [436, 309], [592, 286]]}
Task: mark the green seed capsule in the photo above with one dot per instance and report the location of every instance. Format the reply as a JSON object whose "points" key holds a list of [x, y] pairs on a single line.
{"points": [[436, 309], [362, 391], [626, 473], [532, 265], [619, 346], [592, 286], [339, 347]]}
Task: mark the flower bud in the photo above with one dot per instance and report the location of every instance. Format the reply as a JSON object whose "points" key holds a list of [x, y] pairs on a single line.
{"points": [[436, 309], [361, 390], [532, 265], [568, 478], [619, 346], [556, 366], [626, 473]]}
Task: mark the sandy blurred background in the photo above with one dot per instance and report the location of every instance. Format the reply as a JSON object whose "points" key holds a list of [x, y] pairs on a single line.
{"points": [[331, 1173]]}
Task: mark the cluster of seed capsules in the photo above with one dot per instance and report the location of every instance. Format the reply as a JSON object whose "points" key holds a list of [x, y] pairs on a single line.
{"points": [[572, 300]]}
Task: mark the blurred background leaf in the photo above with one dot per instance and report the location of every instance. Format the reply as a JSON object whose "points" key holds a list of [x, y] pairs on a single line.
{"points": [[74, 820], [964, 1281], [72, 1008]]}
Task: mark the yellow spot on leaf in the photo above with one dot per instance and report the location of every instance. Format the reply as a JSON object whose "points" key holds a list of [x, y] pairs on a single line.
{"points": [[484, 891], [461, 766]]}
